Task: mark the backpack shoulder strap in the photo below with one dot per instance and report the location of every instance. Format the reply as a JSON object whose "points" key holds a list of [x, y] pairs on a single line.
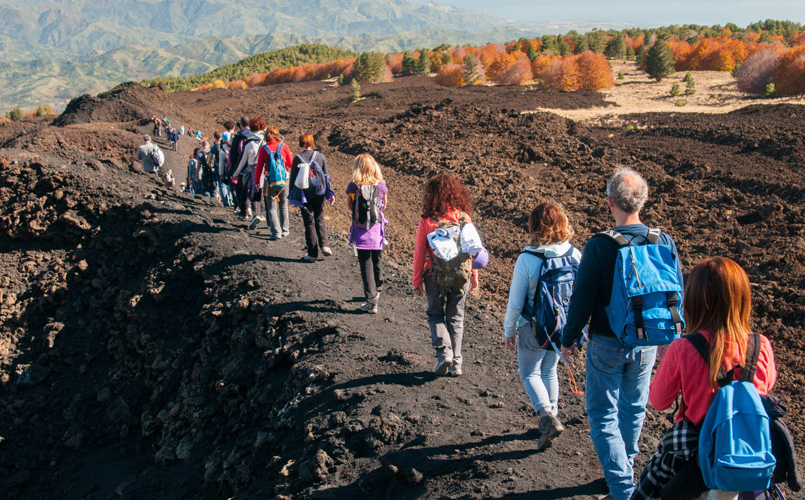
{"points": [[653, 236], [614, 235], [750, 360], [701, 345]]}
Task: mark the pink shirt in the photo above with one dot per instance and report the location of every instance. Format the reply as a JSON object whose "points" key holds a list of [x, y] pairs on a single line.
{"points": [[423, 254], [683, 369]]}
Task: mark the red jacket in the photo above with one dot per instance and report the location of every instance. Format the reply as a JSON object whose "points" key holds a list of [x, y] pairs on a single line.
{"points": [[683, 369], [262, 159], [423, 254]]}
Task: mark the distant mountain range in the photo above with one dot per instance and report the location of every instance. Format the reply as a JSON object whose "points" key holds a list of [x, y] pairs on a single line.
{"points": [[55, 50], [65, 29]]}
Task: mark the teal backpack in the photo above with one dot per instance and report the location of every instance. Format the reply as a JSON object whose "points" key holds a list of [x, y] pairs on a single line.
{"points": [[735, 448]]}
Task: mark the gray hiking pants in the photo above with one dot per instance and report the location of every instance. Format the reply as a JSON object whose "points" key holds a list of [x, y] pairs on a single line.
{"points": [[446, 321], [277, 200]]}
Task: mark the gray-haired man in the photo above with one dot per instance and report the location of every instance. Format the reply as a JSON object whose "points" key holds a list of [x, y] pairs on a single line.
{"points": [[618, 376], [144, 155]]}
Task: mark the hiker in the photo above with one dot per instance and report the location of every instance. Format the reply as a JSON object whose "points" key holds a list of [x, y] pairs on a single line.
{"points": [[241, 195], [313, 208], [145, 156], [717, 305], [447, 204], [618, 374], [550, 249], [194, 169], [207, 171], [246, 166], [367, 200], [181, 130], [157, 124], [198, 135], [276, 197], [217, 154]]}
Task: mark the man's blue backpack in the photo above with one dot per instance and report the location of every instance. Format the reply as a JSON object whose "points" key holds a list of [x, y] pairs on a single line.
{"points": [[277, 175], [735, 448], [645, 308], [548, 313]]}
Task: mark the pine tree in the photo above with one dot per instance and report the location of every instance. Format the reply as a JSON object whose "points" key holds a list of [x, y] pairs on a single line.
{"points": [[581, 45], [15, 114], [690, 89], [423, 66], [597, 42], [616, 48], [472, 70], [675, 89], [370, 67], [659, 61], [688, 77], [630, 52], [409, 64], [531, 52], [562, 46], [354, 90]]}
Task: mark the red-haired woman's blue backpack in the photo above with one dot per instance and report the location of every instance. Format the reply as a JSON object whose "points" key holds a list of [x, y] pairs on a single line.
{"points": [[277, 175], [735, 447]]}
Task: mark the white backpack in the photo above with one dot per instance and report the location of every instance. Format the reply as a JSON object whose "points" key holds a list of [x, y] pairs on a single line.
{"points": [[157, 157]]}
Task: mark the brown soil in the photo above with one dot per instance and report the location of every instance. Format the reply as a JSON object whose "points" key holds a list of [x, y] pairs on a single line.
{"points": [[150, 347]]}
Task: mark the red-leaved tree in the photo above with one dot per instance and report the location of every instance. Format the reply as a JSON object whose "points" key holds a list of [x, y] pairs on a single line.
{"points": [[449, 75]]}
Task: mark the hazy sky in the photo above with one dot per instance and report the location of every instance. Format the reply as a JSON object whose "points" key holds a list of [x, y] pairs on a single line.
{"points": [[643, 13]]}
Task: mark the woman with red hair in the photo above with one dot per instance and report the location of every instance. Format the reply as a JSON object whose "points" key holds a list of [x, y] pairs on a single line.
{"points": [[446, 203], [717, 305], [276, 198]]}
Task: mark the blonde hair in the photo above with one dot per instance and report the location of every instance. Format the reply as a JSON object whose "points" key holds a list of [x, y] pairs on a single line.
{"points": [[366, 171]]}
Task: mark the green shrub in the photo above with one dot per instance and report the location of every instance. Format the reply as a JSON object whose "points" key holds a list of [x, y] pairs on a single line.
{"points": [[44, 111], [690, 88], [630, 52], [688, 77], [629, 128], [620, 76], [681, 103], [675, 89], [15, 114], [770, 92], [354, 90]]}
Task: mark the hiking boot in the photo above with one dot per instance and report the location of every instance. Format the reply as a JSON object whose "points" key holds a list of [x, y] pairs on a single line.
{"points": [[443, 366], [285, 233], [370, 308], [455, 372], [308, 258], [549, 427], [274, 238], [326, 251], [256, 220]]}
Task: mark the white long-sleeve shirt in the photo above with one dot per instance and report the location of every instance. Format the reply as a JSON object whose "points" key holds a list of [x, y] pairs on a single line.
{"points": [[249, 156]]}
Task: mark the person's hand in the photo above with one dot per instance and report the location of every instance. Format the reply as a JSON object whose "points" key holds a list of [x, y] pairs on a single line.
{"points": [[568, 351], [418, 291], [473, 283], [661, 351], [510, 343]]}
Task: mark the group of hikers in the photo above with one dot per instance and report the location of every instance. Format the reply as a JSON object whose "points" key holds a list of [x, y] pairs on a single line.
{"points": [[627, 285]]}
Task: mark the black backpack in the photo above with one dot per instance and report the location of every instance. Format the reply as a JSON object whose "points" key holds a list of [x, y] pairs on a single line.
{"points": [[366, 209]]}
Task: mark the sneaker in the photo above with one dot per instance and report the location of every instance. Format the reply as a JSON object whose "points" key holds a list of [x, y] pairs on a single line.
{"points": [[308, 258], [442, 366], [549, 427], [370, 308], [326, 251], [274, 238], [455, 372], [286, 233], [256, 220], [249, 213]]}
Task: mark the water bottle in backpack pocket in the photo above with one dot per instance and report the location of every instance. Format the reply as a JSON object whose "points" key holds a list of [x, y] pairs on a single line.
{"points": [[645, 308]]}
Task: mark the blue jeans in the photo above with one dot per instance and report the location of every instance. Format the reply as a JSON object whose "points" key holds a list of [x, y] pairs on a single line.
{"points": [[618, 379], [223, 190], [538, 371]]}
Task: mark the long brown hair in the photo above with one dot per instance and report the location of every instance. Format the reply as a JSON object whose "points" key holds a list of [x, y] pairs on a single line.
{"points": [[548, 224], [444, 192], [718, 298]]}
